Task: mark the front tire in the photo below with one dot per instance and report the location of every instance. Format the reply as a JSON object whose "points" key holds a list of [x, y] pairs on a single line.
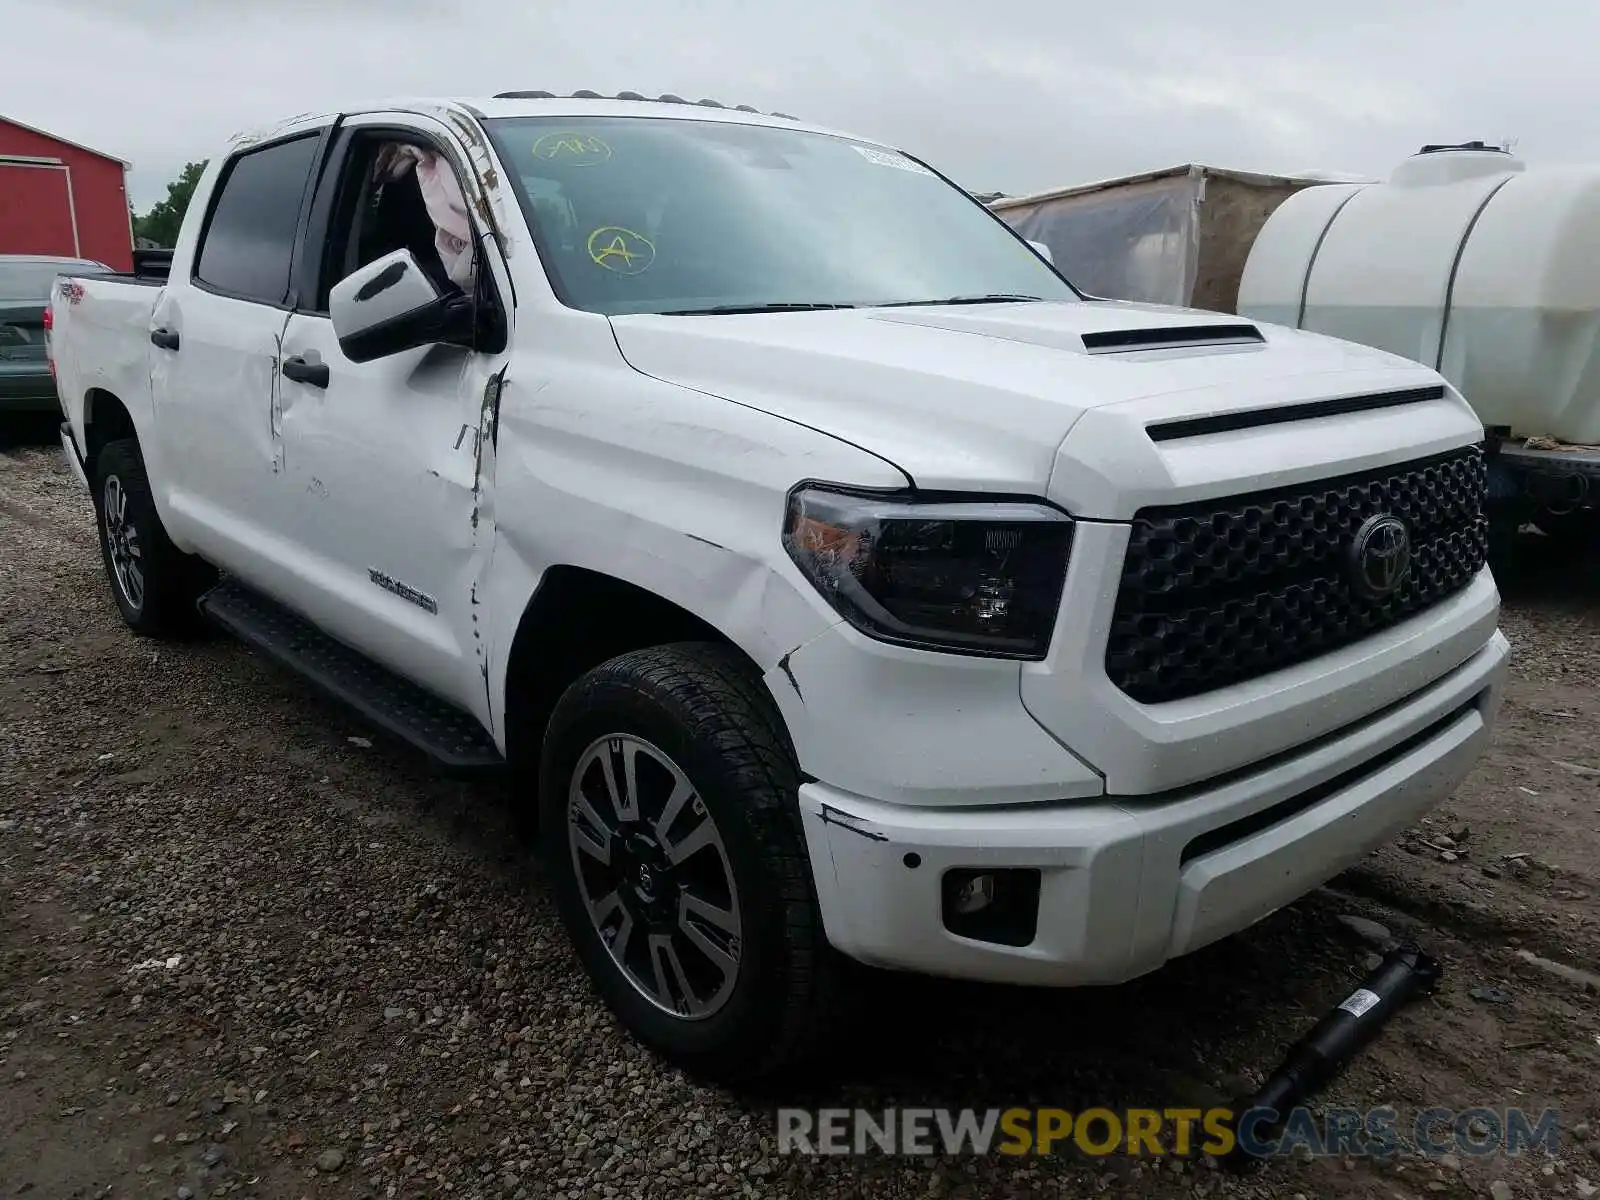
{"points": [[671, 834], [154, 583]]}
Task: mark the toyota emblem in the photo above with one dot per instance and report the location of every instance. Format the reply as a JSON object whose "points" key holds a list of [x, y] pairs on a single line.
{"points": [[1380, 557]]}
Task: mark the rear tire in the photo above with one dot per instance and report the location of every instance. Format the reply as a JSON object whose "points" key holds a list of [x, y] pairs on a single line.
{"points": [[729, 978], [154, 584]]}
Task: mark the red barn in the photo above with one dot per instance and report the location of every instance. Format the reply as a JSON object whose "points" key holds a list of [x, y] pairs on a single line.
{"points": [[57, 197]]}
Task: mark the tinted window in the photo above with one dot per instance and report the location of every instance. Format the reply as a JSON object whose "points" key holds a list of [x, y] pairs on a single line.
{"points": [[250, 237], [664, 215]]}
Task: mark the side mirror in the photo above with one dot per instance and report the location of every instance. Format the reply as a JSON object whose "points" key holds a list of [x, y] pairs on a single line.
{"points": [[1044, 252], [391, 305]]}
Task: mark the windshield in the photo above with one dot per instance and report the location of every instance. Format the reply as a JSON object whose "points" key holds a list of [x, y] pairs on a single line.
{"points": [[656, 215], [30, 278]]}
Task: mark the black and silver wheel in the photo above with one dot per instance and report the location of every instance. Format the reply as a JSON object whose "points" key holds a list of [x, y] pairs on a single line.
{"points": [[653, 873], [671, 833], [153, 582], [124, 557]]}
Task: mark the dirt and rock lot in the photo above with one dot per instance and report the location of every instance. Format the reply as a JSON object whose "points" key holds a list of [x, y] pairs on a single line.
{"points": [[248, 948]]}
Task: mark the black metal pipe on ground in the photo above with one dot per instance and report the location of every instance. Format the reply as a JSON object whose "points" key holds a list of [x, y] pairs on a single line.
{"points": [[1405, 972]]}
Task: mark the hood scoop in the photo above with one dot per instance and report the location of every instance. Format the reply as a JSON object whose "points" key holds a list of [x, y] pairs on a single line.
{"points": [[1173, 337]]}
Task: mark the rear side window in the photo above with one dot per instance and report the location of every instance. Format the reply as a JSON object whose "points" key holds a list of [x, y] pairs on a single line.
{"points": [[249, 241]]}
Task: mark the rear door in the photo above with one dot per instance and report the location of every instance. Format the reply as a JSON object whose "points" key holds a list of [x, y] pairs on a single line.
{"points": [[215, 344]]}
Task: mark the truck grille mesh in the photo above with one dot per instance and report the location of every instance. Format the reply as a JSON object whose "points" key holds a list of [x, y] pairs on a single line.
{"points": [[1226, 590]]}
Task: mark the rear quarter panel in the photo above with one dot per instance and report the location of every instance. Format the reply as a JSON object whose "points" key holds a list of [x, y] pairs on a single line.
{"points": [[101, 343]]}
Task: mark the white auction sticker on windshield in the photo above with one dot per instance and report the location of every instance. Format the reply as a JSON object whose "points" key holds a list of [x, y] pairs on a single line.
{"points": [[886, 158]]}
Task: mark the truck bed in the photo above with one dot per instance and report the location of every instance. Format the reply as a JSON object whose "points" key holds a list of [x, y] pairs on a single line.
{"points": [[150, 269], [131, 277]]}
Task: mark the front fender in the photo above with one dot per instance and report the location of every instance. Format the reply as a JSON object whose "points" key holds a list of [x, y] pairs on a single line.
{"points": [[673, 491]]}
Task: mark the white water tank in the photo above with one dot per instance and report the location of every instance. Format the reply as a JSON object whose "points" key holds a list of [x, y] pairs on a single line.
{"points": [[1464, 260]]}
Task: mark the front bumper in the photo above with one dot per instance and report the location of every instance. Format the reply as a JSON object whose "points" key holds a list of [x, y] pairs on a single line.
{"points": [[1130, 882]]}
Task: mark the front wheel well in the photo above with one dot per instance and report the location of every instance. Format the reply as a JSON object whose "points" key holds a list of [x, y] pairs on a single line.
{"points": [[576, 620]]}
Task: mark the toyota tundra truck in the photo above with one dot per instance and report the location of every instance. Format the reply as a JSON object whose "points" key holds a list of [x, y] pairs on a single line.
{"points": [[837, 580]]}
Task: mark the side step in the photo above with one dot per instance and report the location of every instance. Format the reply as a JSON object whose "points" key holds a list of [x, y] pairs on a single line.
{"points": [[454, 739]]}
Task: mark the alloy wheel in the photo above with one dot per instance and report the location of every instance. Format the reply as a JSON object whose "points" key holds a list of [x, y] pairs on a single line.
{"points": [[654, 876], [122, 542]]}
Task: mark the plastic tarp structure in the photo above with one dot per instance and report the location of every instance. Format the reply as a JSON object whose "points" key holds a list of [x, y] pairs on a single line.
{"points": [[1136, 241]]}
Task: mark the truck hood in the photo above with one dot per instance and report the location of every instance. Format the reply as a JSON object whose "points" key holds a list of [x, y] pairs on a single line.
{"points": [[980, 397]]}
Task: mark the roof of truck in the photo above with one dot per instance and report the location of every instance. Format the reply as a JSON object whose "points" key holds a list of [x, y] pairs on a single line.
{"points": [[552, 102], [533, 103]]}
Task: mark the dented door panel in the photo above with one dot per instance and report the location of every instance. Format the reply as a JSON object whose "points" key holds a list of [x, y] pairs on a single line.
{"points": [[382, 495], [387, 472]]}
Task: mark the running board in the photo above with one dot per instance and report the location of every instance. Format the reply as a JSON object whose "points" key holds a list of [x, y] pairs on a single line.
{"points": [[451, 737]]}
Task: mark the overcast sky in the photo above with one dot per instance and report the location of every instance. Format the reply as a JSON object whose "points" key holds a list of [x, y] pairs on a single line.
{"points": [[1014, 96]]}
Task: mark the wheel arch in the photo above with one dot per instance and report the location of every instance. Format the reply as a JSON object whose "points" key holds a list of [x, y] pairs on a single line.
{"points": [[576, 619], [106, 419]]}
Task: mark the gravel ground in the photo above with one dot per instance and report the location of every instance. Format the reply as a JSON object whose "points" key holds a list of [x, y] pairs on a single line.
{"points": [[247, 947]]}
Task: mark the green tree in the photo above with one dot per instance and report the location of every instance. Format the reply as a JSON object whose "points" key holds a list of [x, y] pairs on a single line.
{"points": [[161, 223]]}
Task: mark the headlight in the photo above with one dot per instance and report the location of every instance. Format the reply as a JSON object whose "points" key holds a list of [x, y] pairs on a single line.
{"points": [[967, 575]]}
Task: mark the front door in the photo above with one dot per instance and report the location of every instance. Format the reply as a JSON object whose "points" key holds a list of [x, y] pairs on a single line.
{"points": [[385, 478]]}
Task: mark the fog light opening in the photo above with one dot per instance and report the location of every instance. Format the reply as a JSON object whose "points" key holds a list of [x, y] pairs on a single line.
{"points": [[999, 905]]}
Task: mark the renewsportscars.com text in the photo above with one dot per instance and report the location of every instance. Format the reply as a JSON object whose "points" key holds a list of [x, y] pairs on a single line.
{"points": [[1176, 1132]]}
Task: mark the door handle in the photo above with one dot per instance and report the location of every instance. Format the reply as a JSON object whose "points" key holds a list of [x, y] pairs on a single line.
{"points": [[164, 338], [301, 371]]}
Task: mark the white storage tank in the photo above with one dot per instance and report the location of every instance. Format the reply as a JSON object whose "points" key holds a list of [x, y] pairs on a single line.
{"points": [[1464, 260]]}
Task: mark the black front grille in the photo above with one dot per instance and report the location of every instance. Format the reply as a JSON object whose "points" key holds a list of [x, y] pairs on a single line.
{"points": [[1225, 590]]}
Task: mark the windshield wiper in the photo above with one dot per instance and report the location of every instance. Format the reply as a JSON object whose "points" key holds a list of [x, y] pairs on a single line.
{"points": [[989, 298], [722, 310]]}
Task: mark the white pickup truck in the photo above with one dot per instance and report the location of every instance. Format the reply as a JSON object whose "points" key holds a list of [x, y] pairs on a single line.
{"points": [[843, 582]]}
